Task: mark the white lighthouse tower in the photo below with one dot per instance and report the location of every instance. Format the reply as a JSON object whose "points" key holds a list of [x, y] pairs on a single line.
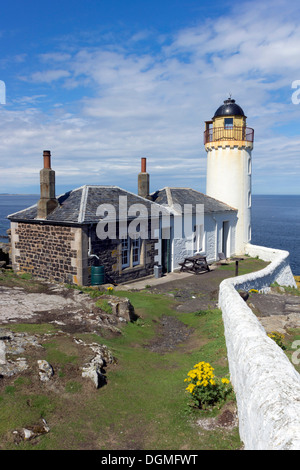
{"points": [[229, 143]]}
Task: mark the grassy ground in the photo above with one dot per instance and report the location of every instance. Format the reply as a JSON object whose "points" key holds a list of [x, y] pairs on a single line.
{"points": [[246, 266], [143, 405]]}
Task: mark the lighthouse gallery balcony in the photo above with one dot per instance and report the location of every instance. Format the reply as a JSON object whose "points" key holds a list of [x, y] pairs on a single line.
{"points": [[238, 133]]}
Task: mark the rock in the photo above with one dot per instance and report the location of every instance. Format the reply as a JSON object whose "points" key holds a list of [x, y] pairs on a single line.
{"points": [[94, 369], [93, 372], [31, 432], [28, 434], [121, 308], [45, 370], [2, 352], [244, 295], [10, 368]]}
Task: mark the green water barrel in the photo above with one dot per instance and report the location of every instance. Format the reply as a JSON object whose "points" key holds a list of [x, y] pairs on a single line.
{"points": [[97, 275]]}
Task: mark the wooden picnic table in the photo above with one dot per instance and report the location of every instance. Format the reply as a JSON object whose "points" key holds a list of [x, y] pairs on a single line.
{"points": [[194, 264]]}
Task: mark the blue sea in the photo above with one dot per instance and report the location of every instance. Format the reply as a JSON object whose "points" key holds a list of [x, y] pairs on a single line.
{"points": [[276, 224], [10, 203], [275, 221]]}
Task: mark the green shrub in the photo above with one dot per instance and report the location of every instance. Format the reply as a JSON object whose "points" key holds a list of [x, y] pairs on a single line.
{"points": [[205, 388]]}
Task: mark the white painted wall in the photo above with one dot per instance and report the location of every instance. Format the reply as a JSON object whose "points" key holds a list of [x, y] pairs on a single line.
{"points": [[266, 384], [213, 226], [210, 243], [229, 181]]}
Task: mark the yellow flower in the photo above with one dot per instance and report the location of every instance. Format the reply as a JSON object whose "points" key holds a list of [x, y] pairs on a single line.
{"points": [[225, 381], [190, 388]]}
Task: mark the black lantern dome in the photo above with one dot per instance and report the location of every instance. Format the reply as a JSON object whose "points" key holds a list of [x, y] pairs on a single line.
{"points": [[229, 108]]}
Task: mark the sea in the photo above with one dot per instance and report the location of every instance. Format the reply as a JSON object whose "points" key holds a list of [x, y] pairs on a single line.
{"points": [[275, 221]]}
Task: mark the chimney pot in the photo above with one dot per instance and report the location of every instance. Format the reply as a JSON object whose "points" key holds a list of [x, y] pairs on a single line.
{"points": [[143, 165], [47, 159]]}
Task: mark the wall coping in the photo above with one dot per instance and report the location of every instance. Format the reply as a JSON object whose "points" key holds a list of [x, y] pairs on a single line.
{"points": [[266, 384]]}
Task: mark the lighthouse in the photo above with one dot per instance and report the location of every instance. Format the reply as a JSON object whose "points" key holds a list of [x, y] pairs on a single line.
{"points": [[229, 143]]}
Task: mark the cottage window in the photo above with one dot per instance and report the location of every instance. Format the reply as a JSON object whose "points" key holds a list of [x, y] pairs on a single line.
{"points": [[136, 249], [125, 252], [131, 252]]}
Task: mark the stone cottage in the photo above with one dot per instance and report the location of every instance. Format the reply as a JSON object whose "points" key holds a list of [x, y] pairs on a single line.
{"points": [[63, 238]]}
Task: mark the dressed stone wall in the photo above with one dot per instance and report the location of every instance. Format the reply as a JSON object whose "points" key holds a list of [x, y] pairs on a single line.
{"points": [[47, 251], [266, 384]]}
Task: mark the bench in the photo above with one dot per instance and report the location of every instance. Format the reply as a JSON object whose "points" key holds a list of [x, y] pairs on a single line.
{"points": [[194, 264]]}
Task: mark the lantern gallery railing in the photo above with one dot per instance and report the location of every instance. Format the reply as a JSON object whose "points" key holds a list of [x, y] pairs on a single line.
{"points": [[215, 134]]}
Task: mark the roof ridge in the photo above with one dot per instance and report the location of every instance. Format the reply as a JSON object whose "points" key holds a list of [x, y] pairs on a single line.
{"points": [[83, 201], [169, 196]]}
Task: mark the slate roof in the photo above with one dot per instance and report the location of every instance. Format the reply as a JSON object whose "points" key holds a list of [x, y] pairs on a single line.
{"points": [[181, 196], [79, 206]]}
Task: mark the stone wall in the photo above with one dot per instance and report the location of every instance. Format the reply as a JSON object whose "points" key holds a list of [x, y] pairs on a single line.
{"points": [[46, 251], [107, 253], [266, 384], [66, 254]]}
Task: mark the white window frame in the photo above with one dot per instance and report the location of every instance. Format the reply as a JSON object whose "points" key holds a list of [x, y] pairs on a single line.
{"points": [[125, 250], [136, 250], [131, 250]]}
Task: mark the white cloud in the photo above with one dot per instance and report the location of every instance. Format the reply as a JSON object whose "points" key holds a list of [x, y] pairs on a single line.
{"points": [[127, 104], [48, 76]]}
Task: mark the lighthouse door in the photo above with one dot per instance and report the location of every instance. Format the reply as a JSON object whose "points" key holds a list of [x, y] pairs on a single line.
{"points": [[225, 239]]}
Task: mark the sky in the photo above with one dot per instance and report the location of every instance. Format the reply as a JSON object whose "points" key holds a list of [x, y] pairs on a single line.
{"points": [[103, 83]]}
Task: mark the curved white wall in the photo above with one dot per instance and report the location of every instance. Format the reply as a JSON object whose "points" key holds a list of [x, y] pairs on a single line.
{"points": [[266, 384]]}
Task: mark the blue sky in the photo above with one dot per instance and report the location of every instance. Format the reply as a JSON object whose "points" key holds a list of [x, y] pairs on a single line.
{"points": [[103, 83]]}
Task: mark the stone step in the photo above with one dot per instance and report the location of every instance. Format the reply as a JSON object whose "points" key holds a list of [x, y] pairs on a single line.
{"points": [[292, 308]]}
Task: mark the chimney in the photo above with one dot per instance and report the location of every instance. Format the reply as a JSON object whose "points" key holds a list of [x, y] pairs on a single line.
{"points": [[143, 180], [47, 202]]}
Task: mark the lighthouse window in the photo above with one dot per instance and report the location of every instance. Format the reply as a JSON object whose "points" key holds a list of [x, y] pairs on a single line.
{"points": [[228, 123], [249, 199], [249, 166]]}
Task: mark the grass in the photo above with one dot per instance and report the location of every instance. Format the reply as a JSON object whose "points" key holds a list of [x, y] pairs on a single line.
{"points": [[290, 344], [246, 266], [285, 289], [10, 279], [142, 406]]}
